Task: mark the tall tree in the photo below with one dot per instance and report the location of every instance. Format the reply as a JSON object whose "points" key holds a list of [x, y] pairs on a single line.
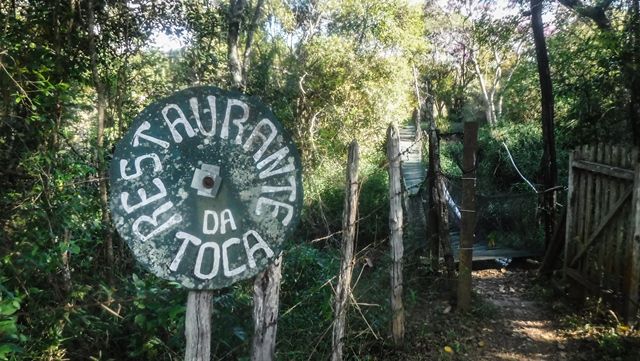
{"points": [[549, 165], [239, 67], [632, 69], [100, 155]]}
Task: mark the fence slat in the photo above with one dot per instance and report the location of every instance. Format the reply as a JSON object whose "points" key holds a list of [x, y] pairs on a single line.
{"points": [[593, 236], [613, 196], [603, 223], [584, 229], [619, 223], [571, 219], [607, 246], [599, 211], [633, 265], [604, 169]]}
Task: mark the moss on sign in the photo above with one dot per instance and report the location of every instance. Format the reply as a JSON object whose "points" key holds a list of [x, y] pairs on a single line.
{"points": [[205, 187]]}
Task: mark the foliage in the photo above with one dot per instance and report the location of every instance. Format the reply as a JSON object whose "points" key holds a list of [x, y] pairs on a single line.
{"points": [[332, 71]]}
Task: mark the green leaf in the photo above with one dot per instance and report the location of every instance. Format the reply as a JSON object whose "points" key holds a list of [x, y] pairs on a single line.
{"points": [[9, 308], [140, 320], [8, 327]]}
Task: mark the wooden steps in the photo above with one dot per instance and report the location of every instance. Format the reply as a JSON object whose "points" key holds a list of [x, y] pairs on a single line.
{"points": [[413, 169]]}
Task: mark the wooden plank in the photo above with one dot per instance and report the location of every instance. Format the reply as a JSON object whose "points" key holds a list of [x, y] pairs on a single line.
{"points": [[197, 326], [632, 277], [617, 208], [606, 205], [599, 211], [604, 169], [571, 216], [622, 236], [588, 215], [583, 206], [343, 288], [630, 227], [395, 227], [621, 222], [613, 196], [589, 221]]}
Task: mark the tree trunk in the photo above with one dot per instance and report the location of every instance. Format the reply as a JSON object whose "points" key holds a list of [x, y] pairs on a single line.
{"points": [[197, 326], [266, 293], [633, 64], [467, 233], [487, 95], [236, 8], [396, 228], [246, 57], [549, 167], [343, 289], [102, 168]]}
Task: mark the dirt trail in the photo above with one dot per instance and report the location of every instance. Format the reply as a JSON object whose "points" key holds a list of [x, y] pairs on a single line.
{"points": [[505, 325], [522, 329]]}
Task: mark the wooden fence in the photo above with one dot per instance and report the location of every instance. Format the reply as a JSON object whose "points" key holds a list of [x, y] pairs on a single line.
{"points": [[602, 246]]}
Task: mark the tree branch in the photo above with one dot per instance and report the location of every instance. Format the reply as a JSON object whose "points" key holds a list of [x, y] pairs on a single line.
{"points": [[595, 13]]}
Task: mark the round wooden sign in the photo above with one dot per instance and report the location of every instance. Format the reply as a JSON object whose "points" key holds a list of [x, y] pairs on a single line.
{"points": [[205, 187]]}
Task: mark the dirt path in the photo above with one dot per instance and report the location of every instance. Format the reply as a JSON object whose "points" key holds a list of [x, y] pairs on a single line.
{"points": [[513, 318], [522, 329], [505, 325]]}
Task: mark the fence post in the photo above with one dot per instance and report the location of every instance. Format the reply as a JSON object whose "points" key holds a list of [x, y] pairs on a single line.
{"points": [[343, 289], [633, 255], [197, 326], [266, 293], [432, 179], [468, 214], [395, 228], [571, 204]]}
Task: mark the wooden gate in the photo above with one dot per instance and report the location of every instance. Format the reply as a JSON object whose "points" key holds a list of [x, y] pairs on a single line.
{"points": [[602, 246]]}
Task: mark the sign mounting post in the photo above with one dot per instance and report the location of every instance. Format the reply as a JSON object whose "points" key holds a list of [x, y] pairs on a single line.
{"points": [[205, 187]]}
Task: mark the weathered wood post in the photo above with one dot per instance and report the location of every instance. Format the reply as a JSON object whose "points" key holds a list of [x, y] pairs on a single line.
{"points": [[442, 212], [468, 214], [343, 289], [438, 214], [432, 179], [197, 326], [266, 300], [632, 278], [395, 238]]}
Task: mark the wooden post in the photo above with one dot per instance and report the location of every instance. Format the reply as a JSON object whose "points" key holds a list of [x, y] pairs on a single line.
{"points": [[571, 207], [432, 179], [438, 222], [632, 276], [197, 328], [343, 289], [266, 293], [395, 238], [442, 210], [468, 215]]}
